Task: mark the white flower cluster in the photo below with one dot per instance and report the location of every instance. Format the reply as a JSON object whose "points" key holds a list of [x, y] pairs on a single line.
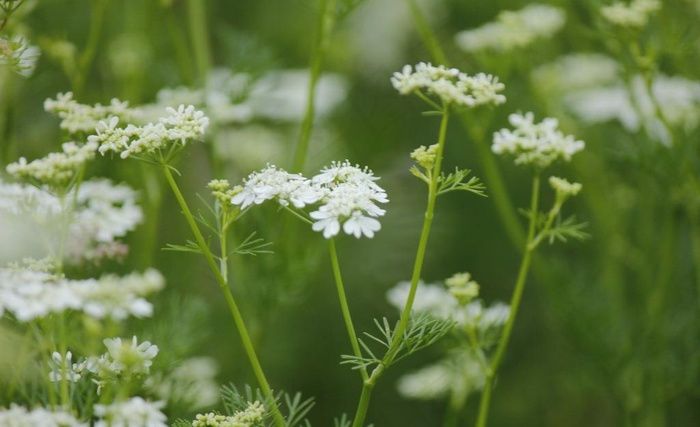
{"points": [[513, 29], [19, 55], [64, 368], [438, 301], [250, 417], [76, 117], [450, 85], [31, 294], [564, 188], [537, 144], [635, 14], [454, 376], [123, 358], [347, 194], [191, 385], [19, 416], [103, 213], [577, 71], [180, 125], [56, 169], [131, 413]]}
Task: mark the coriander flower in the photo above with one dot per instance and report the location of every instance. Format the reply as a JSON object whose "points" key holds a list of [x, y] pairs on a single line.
{"points": [[191, 385], [635, 14], [564, 188], [250, 417], [350, 197], [56, 169], [19, 55], [576, 71], [135, 412], [62, 367], [129, 358], [272, 183], [537, 144], [450, 85], [81, 118], [185, 123], [19, 416], [513, 29]]}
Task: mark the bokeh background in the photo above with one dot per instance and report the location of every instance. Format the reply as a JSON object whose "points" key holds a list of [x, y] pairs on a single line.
{"points": [[608, 333]]}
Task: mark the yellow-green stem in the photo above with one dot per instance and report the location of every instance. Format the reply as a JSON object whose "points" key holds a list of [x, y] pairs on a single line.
{"points": [[99, 8], [415, 277], [514, 304], [233, 307], [322, 41], [198, 31], [344, 306]]}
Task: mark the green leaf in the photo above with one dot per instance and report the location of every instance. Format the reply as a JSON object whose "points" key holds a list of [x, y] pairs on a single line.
{"points": [[191, 247], [567, 229], [252, 246], [456, 181]]}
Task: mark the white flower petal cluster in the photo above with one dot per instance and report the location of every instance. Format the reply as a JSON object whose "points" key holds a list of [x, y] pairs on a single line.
{"points": [[635, 14], [178, 126], [454, 376], [450, 85], [577, 71], [123, 358], [347, 195], [191, 385], [19, 416], [250, 417], [56, 169], [19, 55], [81, 118], [63, 367], [350, 197], [135, 412], [31, 294], [537, 144], [273, 183], [104, 212], [513, 29], [563, 187]]}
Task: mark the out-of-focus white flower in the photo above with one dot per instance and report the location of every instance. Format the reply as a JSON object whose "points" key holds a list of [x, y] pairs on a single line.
{"points": [[19, 416], [450, 85], [564, 187], [433, 299], [677, 98], [282, 95], [123, 358], [513, 29], [191, 385], [185, 123], [62, 367], [537, 144], [76, 117], [19, 55], [577, 71], [634, 14], [56, 169], [135, 412]]}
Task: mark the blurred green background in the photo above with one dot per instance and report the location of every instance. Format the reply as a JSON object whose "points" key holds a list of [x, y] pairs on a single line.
{"points": [[608, 333]]}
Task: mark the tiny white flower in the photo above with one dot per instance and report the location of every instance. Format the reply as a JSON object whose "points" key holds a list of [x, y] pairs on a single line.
{"points": [[135, 412], [19, 55], [185, 123], [62, 367], [133, 358], [18, 416], [634, 14]]}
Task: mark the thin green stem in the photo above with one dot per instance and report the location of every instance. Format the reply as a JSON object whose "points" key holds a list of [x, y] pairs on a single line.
{"points": [[695, 248], [233, 307], [321, 44], [88, 55], [415, 277], [514, 304], [198, 32], [344, 306], [492, 175]]}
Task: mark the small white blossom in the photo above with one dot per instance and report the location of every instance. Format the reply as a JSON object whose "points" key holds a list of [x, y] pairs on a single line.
{"points": [[62, 367], [81, 118], [18, 416], [19, 55], [135, 412], [185, 123], [564, 187], [251, 416], [513, 29], [272, 183], [537, 144], [449, 85], [123, 358], [577, 71], [635, 14], [56, 169], [191, 385]]}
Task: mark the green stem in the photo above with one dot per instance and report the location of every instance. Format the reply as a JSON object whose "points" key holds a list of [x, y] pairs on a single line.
{"points": [[88, 55], [417, 268], [233, 307], [198, 31], [492, 175], [322, 42], [514, 304], [695, 248], [344, 306]]}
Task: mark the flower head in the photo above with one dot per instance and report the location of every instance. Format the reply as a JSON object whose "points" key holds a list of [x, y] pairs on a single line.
{"points": [[124, 358], [537, 144], [513, 29], [273, 183], [18, 416], [564, 188], [19, 55], [130, 413], [449, 85], [56, 169], [635, 14]]}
